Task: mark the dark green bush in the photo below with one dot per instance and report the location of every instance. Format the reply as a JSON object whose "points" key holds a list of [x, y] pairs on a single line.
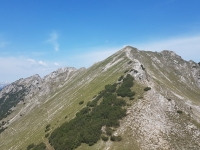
{"points": [[48, 126], [120, 78], [142, 67], [46, 135], [109, 131], [9, 100], [124, 90], [147, 88], [130, 62], [30, 146], [110, 88], [115, 138], [104, 138], [81, 102], [126, 71], [40, 146], [46, 130], [2, 129], [179, 111]]}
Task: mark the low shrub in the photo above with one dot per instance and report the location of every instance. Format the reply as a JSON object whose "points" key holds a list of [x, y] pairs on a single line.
{"points": [[142, 67], [126, 71], [120, 78], [30, 146], [130, 62], [115, 138], [81, 102], [40, 146], [104, 138], [147, 88], [48, 126], [46, 135], [109, 131], [179, 111]]}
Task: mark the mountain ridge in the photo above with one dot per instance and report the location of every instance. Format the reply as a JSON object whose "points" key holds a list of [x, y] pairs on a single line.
{"points": [[174, 95]]}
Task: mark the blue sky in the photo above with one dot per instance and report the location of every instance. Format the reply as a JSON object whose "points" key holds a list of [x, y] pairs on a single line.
{"points": [[39, 36]]}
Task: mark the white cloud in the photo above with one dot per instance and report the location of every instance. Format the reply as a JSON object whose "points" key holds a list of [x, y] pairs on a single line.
{"points": [[14, 68], [56, 64], [42, 63], [32, 61], [53, 40]]}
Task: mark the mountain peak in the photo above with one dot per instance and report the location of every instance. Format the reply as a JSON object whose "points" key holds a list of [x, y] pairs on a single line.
{"points": [[130, 48], [170, 53]]}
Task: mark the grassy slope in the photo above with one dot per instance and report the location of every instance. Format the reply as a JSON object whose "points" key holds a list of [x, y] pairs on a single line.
{"points": [[62, 105], [128, 142], [188, 91]]}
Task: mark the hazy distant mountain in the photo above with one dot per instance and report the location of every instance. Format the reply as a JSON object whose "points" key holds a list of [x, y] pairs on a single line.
{"points": [[3, 84], [138, 99]]}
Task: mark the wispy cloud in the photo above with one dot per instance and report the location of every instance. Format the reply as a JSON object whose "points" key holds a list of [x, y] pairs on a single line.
{"points": [[32, 61], [23, 67], [42, 63], [53, 39]]}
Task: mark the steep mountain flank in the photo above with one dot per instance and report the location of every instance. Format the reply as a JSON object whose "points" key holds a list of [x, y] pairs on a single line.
{"points": [[23, 95], [164, 116]]}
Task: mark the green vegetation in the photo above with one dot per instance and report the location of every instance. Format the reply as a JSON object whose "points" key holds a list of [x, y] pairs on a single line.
{"points": [[124, 90], [47, 135], [179, 111], [115, 138], [130, 62], [109, 131], [10, 100], [120, 78], [86, 126], [2, 129], [147, 88], [126, 71], [47, 128], [40, 146], [104, 138], [142, 67], [30, 146], [81, 102]]}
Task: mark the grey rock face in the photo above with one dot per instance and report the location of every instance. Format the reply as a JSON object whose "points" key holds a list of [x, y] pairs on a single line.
{"points": [[35, 89]]}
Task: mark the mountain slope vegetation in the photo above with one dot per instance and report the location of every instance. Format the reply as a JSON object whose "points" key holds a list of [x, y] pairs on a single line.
{"points": [[160, 110]]}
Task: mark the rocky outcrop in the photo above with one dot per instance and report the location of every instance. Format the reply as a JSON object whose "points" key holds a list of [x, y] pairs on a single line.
{"points": [[32, 91]]}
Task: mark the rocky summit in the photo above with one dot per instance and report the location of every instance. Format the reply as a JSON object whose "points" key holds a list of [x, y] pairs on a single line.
{"points": [[156, 93]]}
